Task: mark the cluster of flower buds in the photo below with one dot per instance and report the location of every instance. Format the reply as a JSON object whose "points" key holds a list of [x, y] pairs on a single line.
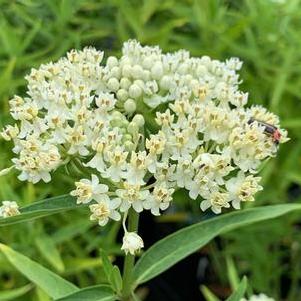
{"points": [[143, 126]]}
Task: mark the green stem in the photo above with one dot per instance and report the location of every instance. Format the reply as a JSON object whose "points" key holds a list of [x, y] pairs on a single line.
{"points": [[129, 261]]}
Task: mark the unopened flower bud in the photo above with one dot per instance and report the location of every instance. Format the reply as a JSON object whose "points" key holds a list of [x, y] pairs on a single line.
{"points": [[165, 82], [117, 115], [126, 71], [157, 70], [139, 83], [122, 94], [129, 146], [146, 75], [127, 137], [125, 83], [135, 91], [112, 61], [139, 120], [115, 72], [137, 71], [116, 122], [147, 62], [130, 106], [113, 84], [132, 243], [133, 128]]}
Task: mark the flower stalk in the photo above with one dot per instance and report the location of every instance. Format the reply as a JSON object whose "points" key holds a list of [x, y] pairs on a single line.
{"points": [[129, 260]]}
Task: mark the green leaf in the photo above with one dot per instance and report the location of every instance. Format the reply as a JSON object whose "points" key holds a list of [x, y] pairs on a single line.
{"points": [[209, 296], [12, 294], [112, 272], [94, 293], [69, 231], [107, 265], [173, 248], [75, 265], [49, 251], [41, 209], [116, 279], [51, 283], [239, 293], [232, 273]]}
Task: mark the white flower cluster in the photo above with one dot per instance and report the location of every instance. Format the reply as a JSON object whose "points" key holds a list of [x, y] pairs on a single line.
{"points": [[143, 125], [260, 297], [9, 208]]}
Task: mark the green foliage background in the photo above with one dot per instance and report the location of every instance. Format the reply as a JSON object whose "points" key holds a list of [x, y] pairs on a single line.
{"points": [[265, 34]]}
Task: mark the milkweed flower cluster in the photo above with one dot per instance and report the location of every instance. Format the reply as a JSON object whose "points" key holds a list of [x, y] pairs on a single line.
{"points": [[260, 297], [143, 126]]}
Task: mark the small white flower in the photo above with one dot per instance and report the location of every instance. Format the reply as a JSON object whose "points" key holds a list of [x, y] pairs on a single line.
{"points": [[87, 190], [137, 168], [160, 198], [164, 172], [242, 188], [105, 209], [117, 164], [78, 141], [9, 208], [132, 243], [216, 201], [10, 132], [105, 102], [184, 173], [132, 196]]}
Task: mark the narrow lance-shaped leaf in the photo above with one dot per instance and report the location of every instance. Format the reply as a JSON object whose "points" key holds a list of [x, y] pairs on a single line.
{"points": [[209, 296], [184, 242], [112, 272], [54, 285], [15, 293], [240, 292], [50, 252], [94, 293], [41, 209], [116, 279], [232, 273]]}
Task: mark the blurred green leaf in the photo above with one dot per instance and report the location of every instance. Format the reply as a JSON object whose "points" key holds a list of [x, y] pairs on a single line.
{"points": [[49, 251], [94, 293], [107, 265], [74, 266], [51, 283], [15, 293], [239, 293], [232, 273], [209, 296]]}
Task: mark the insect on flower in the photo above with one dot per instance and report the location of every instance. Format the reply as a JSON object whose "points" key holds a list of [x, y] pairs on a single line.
{"points": [[269, 129]]}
